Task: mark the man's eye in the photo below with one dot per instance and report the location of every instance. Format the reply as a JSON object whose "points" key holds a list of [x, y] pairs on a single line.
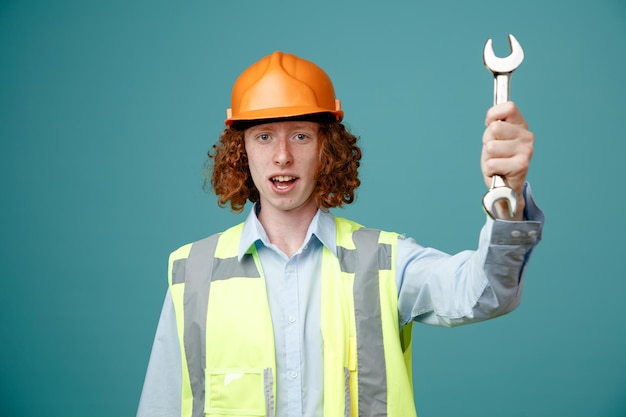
{"points": [[264, 137], [301, 136]]}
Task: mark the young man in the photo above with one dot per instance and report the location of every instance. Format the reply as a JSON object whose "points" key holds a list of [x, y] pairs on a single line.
{"points": [[297, 313]]}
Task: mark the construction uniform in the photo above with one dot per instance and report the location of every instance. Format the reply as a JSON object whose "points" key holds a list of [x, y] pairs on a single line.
{"points": [[284, 311]]}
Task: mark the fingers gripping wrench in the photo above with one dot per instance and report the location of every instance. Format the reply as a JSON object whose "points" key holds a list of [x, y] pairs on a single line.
{"points": [[502, 69]]}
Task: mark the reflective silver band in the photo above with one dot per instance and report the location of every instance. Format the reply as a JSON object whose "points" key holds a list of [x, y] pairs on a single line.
{"points": [[372, 372], [269, 392], [347, 410], [197, 285], [231, 267]]}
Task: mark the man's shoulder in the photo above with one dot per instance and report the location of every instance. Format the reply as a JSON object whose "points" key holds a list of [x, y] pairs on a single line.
{"points": [[349, 229], [345, 224], [211, 240]]}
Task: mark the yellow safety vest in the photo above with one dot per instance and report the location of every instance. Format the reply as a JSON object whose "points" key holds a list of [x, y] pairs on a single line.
{"points": [[227, 341]]}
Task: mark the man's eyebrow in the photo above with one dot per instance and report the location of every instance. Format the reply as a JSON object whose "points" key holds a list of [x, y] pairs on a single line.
{"points": [[304, 125], [261, 128]]}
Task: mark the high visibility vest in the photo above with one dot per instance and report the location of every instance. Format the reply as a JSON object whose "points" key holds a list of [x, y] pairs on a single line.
{"points": [[227, 341]]}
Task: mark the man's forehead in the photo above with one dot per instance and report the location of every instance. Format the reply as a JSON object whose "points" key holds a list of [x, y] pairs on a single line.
{"points": [[286, 124]]}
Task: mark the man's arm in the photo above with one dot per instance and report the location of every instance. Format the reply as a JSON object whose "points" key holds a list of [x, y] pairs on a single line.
{"points": [[440, 289], [161, 395], [450, 290]]}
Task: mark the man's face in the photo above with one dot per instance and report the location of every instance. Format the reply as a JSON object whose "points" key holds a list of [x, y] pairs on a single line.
{"points": [[283, 159]]}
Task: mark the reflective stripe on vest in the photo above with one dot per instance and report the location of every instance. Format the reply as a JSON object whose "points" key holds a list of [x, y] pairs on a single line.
{"points": [[228, 342]]}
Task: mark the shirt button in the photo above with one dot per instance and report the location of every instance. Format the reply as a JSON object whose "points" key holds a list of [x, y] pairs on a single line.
{"points": [[516, 233], [290, 268], [292, 319], [293, 374]]}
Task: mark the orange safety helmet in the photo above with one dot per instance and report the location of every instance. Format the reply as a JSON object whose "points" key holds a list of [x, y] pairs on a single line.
{"points": [[282, 85]]}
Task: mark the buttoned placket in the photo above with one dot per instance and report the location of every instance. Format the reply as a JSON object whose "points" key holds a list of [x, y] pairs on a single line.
{"points": [[292, 334]]}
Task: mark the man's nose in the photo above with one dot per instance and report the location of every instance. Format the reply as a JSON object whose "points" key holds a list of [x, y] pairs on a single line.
{"points": [[283, 154]]}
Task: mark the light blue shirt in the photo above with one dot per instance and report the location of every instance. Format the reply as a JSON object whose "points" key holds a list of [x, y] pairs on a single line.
{"points": [[433, 287]]}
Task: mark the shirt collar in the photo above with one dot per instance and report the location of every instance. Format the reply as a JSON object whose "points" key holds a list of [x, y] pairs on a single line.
{"points": [[323, 227]]}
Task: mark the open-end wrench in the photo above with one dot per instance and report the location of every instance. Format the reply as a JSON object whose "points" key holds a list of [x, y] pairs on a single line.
{"points": [[502, 69]]}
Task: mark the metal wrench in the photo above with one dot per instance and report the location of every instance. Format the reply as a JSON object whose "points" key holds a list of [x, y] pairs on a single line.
{"points": [[502, 69]]}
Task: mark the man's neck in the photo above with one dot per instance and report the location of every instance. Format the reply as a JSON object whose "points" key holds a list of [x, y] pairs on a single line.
{"points": [[287, 229]]}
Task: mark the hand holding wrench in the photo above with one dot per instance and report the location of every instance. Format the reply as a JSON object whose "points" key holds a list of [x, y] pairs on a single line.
{"points": [[502, 69]]}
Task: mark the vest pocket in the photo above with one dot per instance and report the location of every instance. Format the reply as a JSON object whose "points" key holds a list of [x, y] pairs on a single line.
{"points": [[235, 392]]}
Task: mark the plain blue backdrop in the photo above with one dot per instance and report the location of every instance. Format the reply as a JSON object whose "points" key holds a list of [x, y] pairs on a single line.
{"points": [[107, 110]]}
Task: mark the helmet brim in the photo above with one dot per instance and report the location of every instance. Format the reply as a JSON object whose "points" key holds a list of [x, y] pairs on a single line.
{"points": [[281, 112]]}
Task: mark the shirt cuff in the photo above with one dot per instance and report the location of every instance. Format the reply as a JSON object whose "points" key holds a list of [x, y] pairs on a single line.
{"points": [[526, 232]]}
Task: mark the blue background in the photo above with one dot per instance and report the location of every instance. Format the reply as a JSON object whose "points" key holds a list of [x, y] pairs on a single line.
{"points": [[108, 108]]}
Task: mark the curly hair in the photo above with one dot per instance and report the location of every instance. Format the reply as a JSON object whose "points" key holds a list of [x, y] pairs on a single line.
{"points": [[336, 178]]}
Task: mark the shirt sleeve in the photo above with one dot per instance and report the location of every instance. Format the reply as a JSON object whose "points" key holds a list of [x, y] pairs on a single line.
{"points": [[450, 290], [161, 394]]}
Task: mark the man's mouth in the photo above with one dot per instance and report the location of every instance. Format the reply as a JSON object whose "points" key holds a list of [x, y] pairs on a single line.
{"points": [[283, 181]]}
